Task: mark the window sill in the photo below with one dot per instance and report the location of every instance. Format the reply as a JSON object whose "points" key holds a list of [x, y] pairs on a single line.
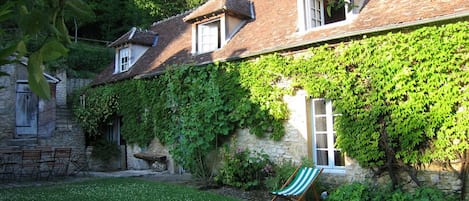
{"points": [[348, 21], [333, 170], [119, 72]]}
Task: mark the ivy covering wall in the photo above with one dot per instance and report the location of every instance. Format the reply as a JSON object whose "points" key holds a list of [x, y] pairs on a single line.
{"points": [[403, 99]]}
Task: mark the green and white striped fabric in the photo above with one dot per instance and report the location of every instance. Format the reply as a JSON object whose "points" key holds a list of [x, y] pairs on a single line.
{"points": [[300, 183]]}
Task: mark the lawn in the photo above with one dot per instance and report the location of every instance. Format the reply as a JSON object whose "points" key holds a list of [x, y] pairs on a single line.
{"points": [[109, 189]]}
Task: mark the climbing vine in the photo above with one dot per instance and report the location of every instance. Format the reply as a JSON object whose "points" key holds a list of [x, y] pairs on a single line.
{"points": [[403, 99], [402, 96]]}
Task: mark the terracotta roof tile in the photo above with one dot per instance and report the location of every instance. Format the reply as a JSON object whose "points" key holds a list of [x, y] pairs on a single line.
{"points": [[239, 8], [135, 36], [275, 28]]}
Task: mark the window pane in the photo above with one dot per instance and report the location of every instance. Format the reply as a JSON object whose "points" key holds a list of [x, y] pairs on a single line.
{"points": [[321, 141], [322, 157], [124, 59], [337, 14], [315, 13], [320, 124], [209, 36], [319, 107], [339, 158]]}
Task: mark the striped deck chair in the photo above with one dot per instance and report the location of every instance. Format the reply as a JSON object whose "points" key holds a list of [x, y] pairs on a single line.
{"points": [[298, 184]]}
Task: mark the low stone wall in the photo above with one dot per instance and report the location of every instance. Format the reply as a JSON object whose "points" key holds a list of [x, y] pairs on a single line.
{"points": [[72, 137]]}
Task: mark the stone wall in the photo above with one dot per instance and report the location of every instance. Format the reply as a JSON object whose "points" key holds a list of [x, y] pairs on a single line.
{"points": [[58, 134], [295, 146], [73, 138], [7, 103], [76, 83], [61, 88], [155, 147]]}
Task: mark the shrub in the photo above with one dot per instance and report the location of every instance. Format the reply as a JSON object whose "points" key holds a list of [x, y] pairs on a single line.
{"points": [[366, 192], [105, 150], [352, 192], [281, 173], [243, 168]]}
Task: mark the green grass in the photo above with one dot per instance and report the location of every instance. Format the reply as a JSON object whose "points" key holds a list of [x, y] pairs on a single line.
{"points": [[109, 189]]}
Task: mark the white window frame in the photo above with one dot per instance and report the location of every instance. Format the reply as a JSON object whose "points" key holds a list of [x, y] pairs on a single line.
{"points": [[305, 22], [217, 39], [124, 59], [330, 133]]}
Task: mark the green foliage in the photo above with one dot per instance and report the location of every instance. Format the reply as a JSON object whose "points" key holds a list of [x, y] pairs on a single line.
{"points": [[110, 189], [366, 192], [99, 106], [105, 150], [353, 192], [281, 173], [267, 86], [243, 168], [190, 109], [166, 8], [83, 60], [402, 101], [116, 17], [34, 18]]}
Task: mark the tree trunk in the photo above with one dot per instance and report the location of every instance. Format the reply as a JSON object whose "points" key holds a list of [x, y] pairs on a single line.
{"points": [[391, 161], [463, 173], [412, 172]]}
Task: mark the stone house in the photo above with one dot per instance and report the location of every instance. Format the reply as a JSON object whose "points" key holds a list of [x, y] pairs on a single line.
{"points": [[227, 30], [29, 121]]}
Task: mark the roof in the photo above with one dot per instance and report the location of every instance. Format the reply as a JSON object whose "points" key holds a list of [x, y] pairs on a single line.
{"points": [[238, 8], [135, 36], [275, 29]]}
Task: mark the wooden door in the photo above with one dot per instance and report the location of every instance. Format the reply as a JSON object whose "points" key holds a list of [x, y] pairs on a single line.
{"points": [[26, 112]]}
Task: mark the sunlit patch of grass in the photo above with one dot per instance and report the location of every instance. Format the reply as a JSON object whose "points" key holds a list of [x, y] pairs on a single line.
{"points": [[109, 189]]}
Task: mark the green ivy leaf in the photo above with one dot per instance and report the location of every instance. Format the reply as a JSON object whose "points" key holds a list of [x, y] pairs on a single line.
{"points": [[5, 11], [36, 79], [52, 50], [79, 8], [33, 22], [6, 52]]}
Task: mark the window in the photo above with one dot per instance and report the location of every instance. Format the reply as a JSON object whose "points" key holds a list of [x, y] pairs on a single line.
{"points": [[315, 13], [208, 36], [124, 59], [325, 154]]}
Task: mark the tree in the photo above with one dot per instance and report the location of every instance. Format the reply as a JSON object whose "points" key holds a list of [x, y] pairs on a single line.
{"points": [[42, 35], [115, 17]]}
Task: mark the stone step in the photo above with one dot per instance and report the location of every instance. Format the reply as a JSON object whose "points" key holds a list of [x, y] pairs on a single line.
{"points": [[62, 112], [63, 120], [22, 142]]}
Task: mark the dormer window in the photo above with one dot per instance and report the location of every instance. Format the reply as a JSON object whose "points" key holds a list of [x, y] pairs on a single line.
{"points": [[313, 13], [216, 22], [131, 46], [209, 37], [124, 59]]}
